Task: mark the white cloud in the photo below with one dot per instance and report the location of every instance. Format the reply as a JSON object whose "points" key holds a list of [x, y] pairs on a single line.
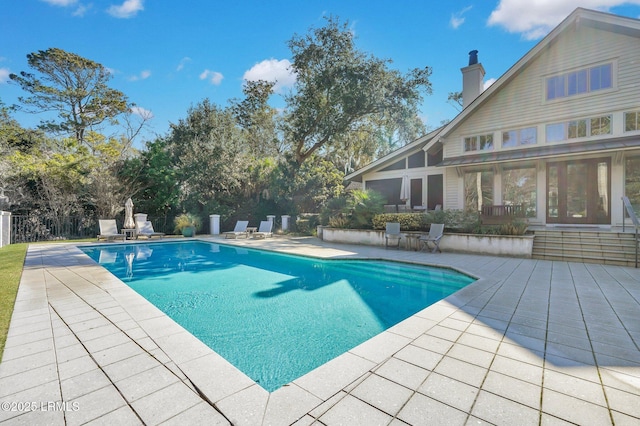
{"points": [[183, 62], [535, 18], [272, 70], [4, 75], [127, 9], [457, 18], [63, 3], [488, 83], [141, 112], [142, 76], [214, 76], [81, 10]]}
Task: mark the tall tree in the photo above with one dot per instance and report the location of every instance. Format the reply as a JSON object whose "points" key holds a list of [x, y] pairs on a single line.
{"points": [[337, 86], [72, 86]]}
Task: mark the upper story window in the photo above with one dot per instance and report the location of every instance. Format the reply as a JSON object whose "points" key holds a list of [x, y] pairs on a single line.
{"points": [[416, 160], [513, 138], [631, 121], [581, 81], [579, 128], [478, 143]]}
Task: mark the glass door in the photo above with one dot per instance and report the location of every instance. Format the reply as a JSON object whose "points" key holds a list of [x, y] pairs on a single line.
{"points": [[579, 192]]}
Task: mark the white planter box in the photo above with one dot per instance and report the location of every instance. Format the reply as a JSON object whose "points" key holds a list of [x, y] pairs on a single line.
{"points": [[499, 245]]}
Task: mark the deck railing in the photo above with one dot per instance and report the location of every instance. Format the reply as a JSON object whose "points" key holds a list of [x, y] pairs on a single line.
{"points": [[628, 208]]}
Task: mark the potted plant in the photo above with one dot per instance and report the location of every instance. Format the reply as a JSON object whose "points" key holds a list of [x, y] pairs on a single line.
{"points": [[187, 224]]}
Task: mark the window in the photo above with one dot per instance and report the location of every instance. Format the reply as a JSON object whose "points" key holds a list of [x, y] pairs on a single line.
{"points": [[399, 165], [601, 125], [631, 121], [581, 81], [478, 143], [478, 190], [519, 188], [582, 128], [513, 138], [416, 160]]}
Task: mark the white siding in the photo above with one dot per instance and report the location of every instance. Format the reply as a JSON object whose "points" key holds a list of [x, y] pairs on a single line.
{"points": [[520, 103], [452, 191]]}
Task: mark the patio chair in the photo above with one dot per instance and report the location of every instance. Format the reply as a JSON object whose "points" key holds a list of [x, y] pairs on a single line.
{"points": [[403, 208], [146, 230], [392, 232], [390, 208], [239, 231], [435, 235], [264, 230], [109, 230]]}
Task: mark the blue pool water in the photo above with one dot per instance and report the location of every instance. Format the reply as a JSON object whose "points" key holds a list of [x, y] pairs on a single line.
{"points": [[274, 316]]}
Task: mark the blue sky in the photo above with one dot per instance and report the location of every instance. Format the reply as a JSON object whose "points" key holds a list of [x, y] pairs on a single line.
{"points": [[169, 55]]}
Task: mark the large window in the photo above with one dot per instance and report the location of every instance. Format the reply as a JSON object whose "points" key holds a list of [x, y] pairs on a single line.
{"points": [[631, 121], [519, 187], [581, 81], [478, 190], [514, 138], [581, 128], [478, 143]]}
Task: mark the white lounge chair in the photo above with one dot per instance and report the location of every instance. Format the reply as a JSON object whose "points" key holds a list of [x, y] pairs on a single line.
{"points": [[109, 230], [392, 232], [239, 231], [435, 235], [146, 229], [265, 230]]}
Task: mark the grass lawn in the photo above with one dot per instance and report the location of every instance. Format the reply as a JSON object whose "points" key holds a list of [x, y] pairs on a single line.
{"points": [[11, 262]]}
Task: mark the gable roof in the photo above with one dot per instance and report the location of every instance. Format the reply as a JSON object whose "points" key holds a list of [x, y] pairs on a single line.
{"points": [[391, 157], [579, 17]]}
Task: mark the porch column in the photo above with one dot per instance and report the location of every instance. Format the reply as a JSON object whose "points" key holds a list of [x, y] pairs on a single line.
{"points": [[5, 228], [214, 224], [285, 222]]}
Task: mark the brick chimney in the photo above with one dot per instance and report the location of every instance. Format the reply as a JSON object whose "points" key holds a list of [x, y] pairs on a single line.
{"points": [[472, 79]]}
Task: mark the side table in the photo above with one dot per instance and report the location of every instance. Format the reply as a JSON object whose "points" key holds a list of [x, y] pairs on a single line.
{"points": [[129, 234]]}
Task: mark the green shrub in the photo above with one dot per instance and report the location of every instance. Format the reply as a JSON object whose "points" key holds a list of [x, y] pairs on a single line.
{"points": [[307, 225], [339, 222], [407, 221]]}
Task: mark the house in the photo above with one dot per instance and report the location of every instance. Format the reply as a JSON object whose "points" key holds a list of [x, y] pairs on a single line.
{"points": [[558, 134]]}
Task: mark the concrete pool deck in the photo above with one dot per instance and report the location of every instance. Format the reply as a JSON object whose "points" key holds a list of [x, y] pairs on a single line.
{"points": [[531, 342]]}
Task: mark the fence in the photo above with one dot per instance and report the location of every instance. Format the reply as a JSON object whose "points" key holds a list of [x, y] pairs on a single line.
{"points": [[32, 228], [29, 228]]}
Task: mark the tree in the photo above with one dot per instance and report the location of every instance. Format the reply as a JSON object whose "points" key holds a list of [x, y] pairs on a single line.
{"points": [[72, 86], [338, 86], [455, 99]]}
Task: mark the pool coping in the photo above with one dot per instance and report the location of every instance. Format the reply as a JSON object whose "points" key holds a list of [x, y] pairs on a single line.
{"points": [[229, 395]]}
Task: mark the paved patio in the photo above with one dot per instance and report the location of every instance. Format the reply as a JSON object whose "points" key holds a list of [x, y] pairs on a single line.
{"points": [[531, 342]]}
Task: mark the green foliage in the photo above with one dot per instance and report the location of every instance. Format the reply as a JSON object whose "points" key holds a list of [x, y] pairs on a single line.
{"points": [[356, 209], [341, 222], [338, 87], [407, 221], [186, 220], [11, 262], [73, 86], [363, 205], [307, 225]]}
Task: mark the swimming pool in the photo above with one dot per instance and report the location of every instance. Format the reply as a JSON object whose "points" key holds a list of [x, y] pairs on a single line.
{"points": [[275, 316]]}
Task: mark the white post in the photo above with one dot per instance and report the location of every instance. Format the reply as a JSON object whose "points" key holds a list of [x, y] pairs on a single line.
{"points": [[285, 222], [140, 217], [214, 224], [271, 218], [5, 228]]}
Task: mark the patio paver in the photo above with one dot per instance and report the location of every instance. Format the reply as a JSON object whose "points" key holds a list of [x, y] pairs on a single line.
{"points": [[530, 342]]}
